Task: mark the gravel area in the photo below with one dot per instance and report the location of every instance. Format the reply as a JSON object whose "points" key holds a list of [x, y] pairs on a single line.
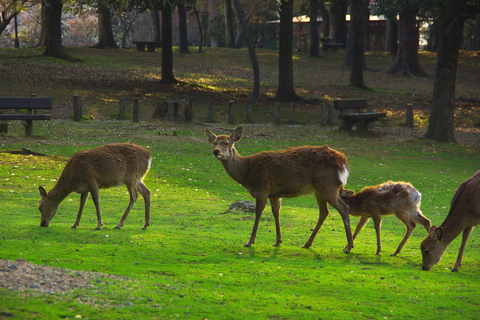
{"points": [[21, 275]]}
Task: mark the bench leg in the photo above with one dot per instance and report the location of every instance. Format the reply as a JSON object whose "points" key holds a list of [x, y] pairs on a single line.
{"points": [[364, 125], [28, 124], [346, 125], [151, 47], [140, 46]]}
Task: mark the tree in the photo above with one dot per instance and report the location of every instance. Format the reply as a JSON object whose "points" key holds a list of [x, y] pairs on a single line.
{"points": [[167, 52], [106, 39], [357, 26], [450, 23], [182, 25], [251, 50], [313, 29], [338, 11], [229, 36], [53, 29], [285, 91], [407, 62]]}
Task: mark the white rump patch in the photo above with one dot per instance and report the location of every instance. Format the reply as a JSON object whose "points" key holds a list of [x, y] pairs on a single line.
{"points": [[343, 175]]}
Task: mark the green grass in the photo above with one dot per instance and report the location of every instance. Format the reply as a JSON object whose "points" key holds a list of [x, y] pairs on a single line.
{"points": [[191, 263]]}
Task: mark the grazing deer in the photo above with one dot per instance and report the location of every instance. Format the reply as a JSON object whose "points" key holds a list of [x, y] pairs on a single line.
{"points": [[398, 198], [464, 214], [102, 167], [286, 173]]}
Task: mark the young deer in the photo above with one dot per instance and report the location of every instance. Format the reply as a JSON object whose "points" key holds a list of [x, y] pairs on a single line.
{"points": [[286, 173], [102, 167], [398, 198], [464, 214]]}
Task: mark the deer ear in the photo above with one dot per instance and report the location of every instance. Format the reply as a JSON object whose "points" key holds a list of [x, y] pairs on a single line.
{"points": [[42, 191], [437, 234], [236, 134], [346, 193], [210, 136]]}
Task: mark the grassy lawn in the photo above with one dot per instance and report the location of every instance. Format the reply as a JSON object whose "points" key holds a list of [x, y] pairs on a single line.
{"points": [[191, 263]]}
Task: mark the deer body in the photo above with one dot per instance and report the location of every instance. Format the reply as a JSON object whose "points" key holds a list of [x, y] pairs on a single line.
{"points": [[464, 214], [272, 175], [87, 171], [389, 198]]}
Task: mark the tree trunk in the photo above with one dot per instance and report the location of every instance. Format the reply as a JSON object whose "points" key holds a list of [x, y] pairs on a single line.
{"points": [[106, 39], [182, 26], [357, 25], [366, 23], [286, 92], [326, 19], [338, 11], [251, 51], [167, 52], [391, 36], [407, 56], [43, 30], [156, 35], [229, 37], [199, 23], [53, 29], [450, 28], [313, 28]]}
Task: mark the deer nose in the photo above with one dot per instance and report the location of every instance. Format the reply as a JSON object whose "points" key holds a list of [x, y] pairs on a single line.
{"points": [[216, 152]]}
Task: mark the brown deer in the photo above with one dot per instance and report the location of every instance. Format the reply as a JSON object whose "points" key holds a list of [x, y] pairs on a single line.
{"points": [[87, 171], [464, 214], [398, 198], [286, 173]]}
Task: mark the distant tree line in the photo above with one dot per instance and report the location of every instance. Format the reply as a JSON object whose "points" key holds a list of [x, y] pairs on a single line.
{"points": [[228, 23]]}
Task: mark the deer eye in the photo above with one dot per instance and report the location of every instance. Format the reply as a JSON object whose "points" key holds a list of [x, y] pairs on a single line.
{"points": [[427, 252]]}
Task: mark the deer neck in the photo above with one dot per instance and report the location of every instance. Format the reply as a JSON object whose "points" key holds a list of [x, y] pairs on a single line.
{"points": [[236, 166], [451, 229], [60, 191]]}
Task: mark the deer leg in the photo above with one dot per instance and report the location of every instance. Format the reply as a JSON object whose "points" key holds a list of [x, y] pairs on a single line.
{"points": [[83, 200], [410, 226], [342, 208], [377, 222], [323, 213], [465, 236], [418, 217], [363, 221], [276, 203], [133, 197], [142, 188], [260, 203], [95, 192]]}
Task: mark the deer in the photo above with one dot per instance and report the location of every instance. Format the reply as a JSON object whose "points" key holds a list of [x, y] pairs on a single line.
{"points": [[288, 173], [464, 214], [389, 198], [88, 171]]}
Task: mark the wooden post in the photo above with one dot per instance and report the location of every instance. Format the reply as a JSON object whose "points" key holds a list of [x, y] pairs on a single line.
{"points": [[330, 114], [175, 111], [231, 113], [121, 109], [410, 116], [210, 112], [277, 112], [188, 112], [323, 114], [77, 108], [136, 109], [292, 112], [249, 112]]}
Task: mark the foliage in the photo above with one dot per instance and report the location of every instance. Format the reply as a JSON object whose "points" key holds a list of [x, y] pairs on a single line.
{"points": [[190, 263]]}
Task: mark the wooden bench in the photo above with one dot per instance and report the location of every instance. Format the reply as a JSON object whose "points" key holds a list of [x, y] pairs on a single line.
{"points": [[30, 105], [151, 45], [328, 43], [356, 112]]}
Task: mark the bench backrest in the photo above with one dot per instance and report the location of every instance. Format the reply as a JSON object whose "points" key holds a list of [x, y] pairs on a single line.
{"points": [[26, 103], [352, 104]]}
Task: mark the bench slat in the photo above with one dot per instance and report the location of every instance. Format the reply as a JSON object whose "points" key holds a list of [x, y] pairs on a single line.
{"points": [[26, 103]]}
